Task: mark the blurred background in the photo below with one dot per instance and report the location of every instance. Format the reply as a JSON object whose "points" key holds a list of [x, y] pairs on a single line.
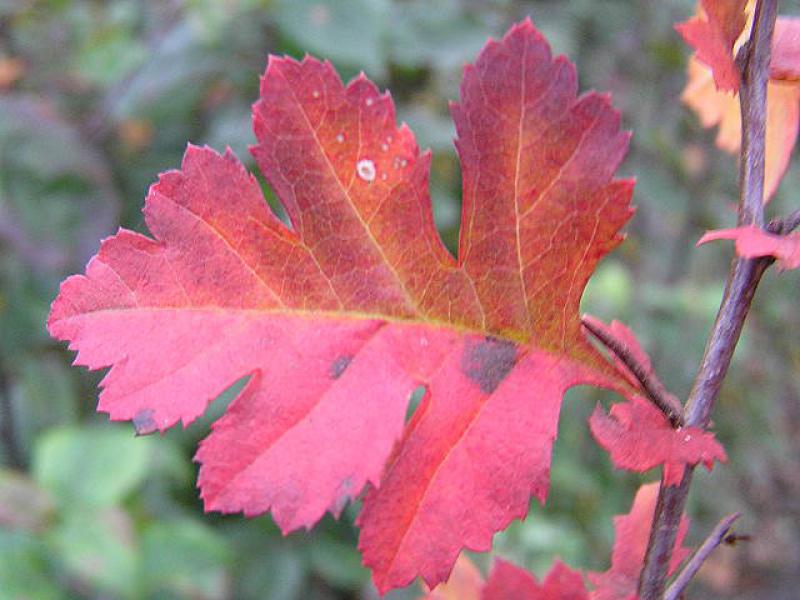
{"points": [[98, 97]]}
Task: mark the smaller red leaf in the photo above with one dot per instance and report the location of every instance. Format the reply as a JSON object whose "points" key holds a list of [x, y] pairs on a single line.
{"points": [[713, 33], [752, 242], [632, 532], [510, 581], [639, 437]]}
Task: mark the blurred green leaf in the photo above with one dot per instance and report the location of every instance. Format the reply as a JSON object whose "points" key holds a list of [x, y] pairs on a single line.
{"points": [[24, 570], [347, 32], [44, 396], [337, 562], [109, 56], [23, 504], [440, 34], [98, 549], [186, 558], [609, 292], [90, 467]]}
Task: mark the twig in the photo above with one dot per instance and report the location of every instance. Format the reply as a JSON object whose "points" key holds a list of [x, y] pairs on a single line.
{"points": [[649, 381], [717, 536], [786, 225], [742, 282]]}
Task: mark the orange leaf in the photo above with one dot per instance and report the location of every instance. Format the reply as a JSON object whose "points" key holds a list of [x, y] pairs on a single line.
{"points": [[718, 108], [713, 33]]}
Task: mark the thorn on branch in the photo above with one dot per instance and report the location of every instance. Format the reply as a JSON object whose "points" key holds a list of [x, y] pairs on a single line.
{"points": [[719, 535], [649, 381]]}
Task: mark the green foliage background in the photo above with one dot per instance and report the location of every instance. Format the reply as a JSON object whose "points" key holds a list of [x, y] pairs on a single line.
{"points": [[97, 97]]}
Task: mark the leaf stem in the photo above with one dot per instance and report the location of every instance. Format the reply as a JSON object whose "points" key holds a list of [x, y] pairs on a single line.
{"points": [[742, 281], [649, 381], [714, 539]]}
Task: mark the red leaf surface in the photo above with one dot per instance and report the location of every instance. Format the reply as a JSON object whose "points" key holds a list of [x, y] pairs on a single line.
{"points": [[713, 33], [632, 532], [639, 437], [784, 64], [752, 242], [337, 318], [510, 581]]}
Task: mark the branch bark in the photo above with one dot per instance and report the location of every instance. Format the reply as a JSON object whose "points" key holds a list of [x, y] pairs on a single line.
{"points": [[743, 280]]}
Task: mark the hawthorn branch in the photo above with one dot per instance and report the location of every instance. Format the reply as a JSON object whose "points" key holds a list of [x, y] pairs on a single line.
{"points": [[714, 539], [743, 280], [651, 384]]}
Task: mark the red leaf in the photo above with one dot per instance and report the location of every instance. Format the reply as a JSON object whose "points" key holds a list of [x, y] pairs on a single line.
{"points": [[713, 33], [639, 437], [784, 63], [508, 581], [632, 532], [339, 317], [752, 242]]}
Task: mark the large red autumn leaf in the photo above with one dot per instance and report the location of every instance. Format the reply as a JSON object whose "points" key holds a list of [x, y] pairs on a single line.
{"points": [[631, 534], [752, 242], [337, 318]]}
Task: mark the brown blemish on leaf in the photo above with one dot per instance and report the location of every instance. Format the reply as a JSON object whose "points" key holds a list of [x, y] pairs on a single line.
{"points": [[340, 365], [488, 362], [143, 422]]}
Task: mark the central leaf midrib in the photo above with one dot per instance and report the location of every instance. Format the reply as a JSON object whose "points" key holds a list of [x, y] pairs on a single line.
{"points": [[515, 337]]}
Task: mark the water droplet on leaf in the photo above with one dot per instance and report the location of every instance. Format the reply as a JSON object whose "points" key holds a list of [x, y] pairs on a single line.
{"points": [[366, 169]]}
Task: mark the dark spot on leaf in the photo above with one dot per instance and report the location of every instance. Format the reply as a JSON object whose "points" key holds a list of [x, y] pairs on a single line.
{"points": [[340, 365], [488, 362], [143, 422]]}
